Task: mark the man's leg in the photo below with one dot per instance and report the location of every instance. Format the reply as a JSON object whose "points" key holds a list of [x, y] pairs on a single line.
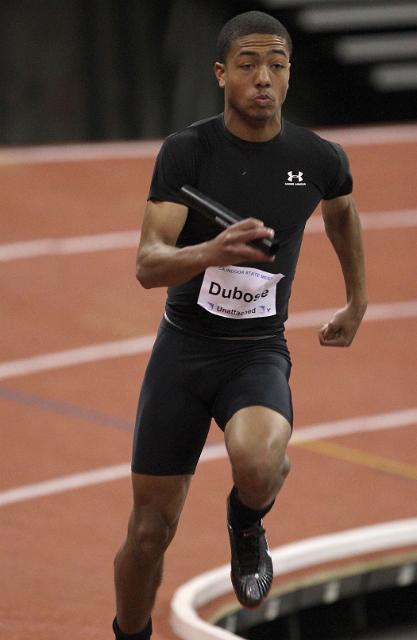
{"points": [[157, 505], [256, 439]]}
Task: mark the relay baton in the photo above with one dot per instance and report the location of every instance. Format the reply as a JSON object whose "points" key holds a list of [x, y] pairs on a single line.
{"points": [[222, 216]]}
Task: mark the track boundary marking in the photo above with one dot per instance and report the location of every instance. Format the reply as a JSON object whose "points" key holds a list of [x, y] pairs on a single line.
{"points": [[69, 245], [143, 344], [63, 408], [86, 152], [376, 422], [73, 357], [79, 152], [302, 554], [363, 458]]}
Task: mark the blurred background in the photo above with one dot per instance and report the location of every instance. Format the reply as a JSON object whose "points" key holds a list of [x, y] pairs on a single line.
{"points": [[95, 70]]}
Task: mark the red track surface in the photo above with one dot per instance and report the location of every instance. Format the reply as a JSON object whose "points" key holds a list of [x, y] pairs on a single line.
{"points": [[56, 551]]}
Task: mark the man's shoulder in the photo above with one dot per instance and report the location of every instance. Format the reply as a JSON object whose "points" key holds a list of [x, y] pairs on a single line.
{"points": [[310, 139], [303, 134], [198, 132]]}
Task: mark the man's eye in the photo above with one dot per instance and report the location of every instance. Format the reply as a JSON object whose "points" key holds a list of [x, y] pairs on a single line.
{"points": [[246, 65]]}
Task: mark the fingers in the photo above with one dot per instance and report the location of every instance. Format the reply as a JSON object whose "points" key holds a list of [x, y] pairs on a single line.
{"points": [[235, 239], [342, 328], [331, 335], [249, 229], [248, 223]]}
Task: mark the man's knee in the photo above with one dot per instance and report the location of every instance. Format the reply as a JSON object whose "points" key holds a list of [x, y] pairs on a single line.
{"points": [[263, 474], [158, 502], [256, 440], [285, 467], [149, 534]]}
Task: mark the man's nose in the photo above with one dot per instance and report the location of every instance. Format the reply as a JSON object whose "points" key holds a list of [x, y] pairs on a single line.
{"points": [[263, 77]]}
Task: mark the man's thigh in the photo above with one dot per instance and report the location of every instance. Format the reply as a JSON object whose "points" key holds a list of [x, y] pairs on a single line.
{"points": [[260, 383], [172, 422]]}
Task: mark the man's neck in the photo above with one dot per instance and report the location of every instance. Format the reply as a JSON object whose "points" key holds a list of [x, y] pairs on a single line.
{"points": [[252, 130]]}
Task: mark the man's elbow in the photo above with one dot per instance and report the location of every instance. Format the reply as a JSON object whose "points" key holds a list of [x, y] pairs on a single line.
{"points": [[143, 275], [144, 280]]}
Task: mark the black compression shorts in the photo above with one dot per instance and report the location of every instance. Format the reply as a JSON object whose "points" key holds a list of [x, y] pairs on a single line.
{"points": [[190, 380]]}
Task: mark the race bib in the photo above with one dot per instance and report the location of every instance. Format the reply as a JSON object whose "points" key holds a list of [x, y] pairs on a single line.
{"points": [[239, 292]]}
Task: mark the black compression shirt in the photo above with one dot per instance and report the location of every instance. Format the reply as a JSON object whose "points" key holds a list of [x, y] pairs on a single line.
{"points": [[280, 182]]}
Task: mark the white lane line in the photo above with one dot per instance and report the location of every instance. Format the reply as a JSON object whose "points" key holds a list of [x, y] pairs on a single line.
{"points": [[89, 152], [337, 428], [102, 151], [71, 357], [370, 136], [391, 420], [403, 218], [377, 422], [375, 312], [143, 344], [69, 245], [65, 483]]}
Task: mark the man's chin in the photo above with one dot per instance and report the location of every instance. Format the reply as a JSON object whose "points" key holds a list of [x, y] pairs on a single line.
{"points": [[263, 115], [258, 116]]}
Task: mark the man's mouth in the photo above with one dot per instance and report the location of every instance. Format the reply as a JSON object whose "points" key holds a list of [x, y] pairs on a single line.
{"points": [[263, 99]]}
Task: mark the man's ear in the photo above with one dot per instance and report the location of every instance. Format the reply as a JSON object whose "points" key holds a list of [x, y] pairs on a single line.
{"points": [[219, 71]]}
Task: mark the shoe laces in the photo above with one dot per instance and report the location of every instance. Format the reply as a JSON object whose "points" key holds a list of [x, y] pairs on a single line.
{"points": [[247, 542]]}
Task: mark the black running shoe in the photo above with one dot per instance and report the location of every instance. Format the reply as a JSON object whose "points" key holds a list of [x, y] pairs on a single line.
{"points": [[251, 564]]}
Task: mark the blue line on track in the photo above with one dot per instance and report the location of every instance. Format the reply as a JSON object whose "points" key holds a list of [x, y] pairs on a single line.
{"points": [[65, 409]]}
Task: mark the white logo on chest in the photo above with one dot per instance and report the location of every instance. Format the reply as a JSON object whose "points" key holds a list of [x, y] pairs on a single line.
{"points": [[295, 179]]}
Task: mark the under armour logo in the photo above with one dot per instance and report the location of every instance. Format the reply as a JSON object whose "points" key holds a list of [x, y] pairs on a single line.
{"points": [[292, 176], [295, 179]]}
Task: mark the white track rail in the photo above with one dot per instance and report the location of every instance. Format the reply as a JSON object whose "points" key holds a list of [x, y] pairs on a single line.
{"points": [[299, 555]]}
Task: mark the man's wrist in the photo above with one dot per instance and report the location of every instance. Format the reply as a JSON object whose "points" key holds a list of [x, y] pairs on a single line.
{"points": [[358, 304]]}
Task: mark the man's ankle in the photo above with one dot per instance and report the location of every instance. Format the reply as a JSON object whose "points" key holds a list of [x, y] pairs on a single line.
{"points": [[145, 634], [241, 516]]}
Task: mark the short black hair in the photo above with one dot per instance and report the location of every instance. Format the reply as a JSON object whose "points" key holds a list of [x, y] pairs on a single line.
{"points": [[245, 23]]}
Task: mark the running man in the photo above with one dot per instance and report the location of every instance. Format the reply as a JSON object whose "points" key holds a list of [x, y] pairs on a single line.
{"points": [[221, 351]]}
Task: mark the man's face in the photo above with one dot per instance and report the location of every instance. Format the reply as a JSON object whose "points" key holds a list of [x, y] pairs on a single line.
{"points": [[255, 76]]}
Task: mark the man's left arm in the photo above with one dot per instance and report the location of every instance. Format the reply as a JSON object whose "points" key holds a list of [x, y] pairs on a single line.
{"points": [[344, 231]]}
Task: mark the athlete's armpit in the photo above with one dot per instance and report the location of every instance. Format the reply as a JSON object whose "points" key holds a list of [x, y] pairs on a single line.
{"points": [[162, 224]]}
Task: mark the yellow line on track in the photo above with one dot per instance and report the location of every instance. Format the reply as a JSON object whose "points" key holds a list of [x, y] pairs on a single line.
{"points": [[363, 458]]}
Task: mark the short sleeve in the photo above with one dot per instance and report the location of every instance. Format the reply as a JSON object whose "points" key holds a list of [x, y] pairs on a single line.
{"points": [[174, 167], [341, 183]]}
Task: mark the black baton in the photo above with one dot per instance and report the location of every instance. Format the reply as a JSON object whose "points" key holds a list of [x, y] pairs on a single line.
{"points": [[222, 216]]}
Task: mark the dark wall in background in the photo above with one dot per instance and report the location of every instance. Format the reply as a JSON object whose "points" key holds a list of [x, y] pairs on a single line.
{"points": [[76, 70], [105, 69], [42, 90]]}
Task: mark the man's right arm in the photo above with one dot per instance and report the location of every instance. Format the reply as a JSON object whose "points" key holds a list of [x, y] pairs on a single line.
{"points": [[160, 263]]}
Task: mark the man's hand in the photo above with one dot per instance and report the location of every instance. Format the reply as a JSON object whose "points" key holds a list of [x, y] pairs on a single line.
{"points": [[230, 246], [341, 329]]}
